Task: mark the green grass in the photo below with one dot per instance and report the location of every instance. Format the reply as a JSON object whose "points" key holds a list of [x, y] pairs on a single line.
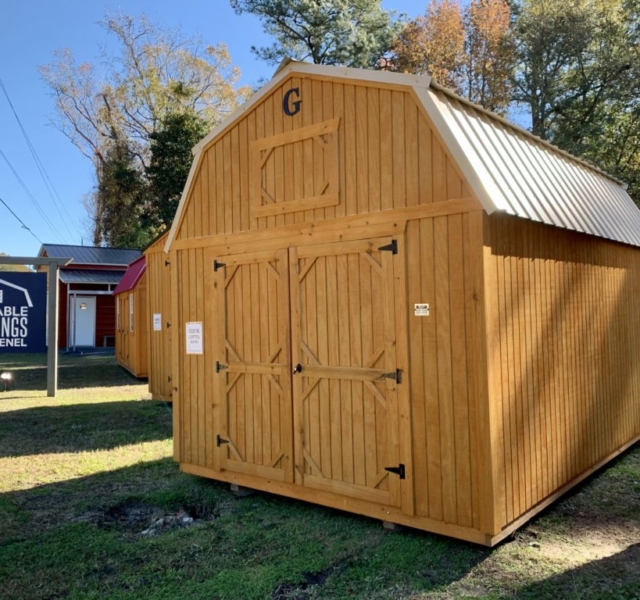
{"points": [[82, 476]]}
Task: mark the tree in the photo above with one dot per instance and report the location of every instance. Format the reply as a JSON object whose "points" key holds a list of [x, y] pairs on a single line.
{"points": [[355, 33], [119, 197], [154, 72], [550, 35], [171, 159], [469, 51], [579, 74], [19, 268], [434, 43], [489, 54]]}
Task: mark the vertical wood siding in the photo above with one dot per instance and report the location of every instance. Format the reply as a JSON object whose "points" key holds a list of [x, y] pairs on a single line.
{"points": [[194, 407], [564, 368], [387, 157], [159, 303], [442, 271], [131, 346]]}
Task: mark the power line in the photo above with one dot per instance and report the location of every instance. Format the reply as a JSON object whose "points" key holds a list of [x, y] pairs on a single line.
{"points": [[32, 198], [20, 221], [43, 173]]}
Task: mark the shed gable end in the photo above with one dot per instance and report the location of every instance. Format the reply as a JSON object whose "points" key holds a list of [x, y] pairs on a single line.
{"points": [[318, 149]]}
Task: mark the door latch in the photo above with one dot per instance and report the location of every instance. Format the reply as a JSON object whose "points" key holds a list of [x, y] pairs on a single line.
{"points": [[297, 369]]}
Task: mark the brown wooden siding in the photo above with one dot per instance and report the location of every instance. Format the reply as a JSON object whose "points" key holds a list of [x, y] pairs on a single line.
{"points": [[159, 303], [443, 270], [564, 368], [387, 157], [131, 345], [194, 444]]}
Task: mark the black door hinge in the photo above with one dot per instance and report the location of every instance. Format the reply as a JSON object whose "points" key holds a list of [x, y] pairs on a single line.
{"points": [[220, 441], [399, 470], [218, 265], [395, 375], [166, 263], [392, 247], [220, 367], [168, 324]]}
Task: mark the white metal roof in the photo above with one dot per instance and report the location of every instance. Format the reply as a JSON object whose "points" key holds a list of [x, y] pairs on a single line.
{"points": [[507, 167], [511, 170]]}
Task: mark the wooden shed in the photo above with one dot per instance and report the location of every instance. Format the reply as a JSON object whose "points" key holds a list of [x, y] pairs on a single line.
{"points": [[393, 302], [159, 315], [131, 320]]}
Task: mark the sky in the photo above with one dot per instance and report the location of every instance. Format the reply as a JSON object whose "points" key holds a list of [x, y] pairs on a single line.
{"points": [[51, 206]]}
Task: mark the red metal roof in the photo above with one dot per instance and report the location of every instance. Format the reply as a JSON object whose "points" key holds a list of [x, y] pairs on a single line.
{"points": [[132, 276]]}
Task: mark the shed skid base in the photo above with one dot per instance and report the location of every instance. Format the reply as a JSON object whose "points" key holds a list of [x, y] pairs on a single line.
{"points": [[362, 507], [389, 515]]}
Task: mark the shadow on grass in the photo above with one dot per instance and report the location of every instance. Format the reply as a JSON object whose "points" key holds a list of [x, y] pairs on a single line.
{"points": [[616, 577], [31, 512], [74, 371], [82, 427], [84, 538]]}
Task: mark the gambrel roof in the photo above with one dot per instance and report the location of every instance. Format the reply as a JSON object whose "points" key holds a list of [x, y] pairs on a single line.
{"points": [[508, 169]]}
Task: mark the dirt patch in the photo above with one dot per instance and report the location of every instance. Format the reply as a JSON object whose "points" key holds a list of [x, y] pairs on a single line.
{"points": [[140, 518], [301, 591]]}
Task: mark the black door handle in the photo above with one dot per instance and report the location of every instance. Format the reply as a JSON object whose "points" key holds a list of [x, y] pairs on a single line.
{"points": [[297, 368]]}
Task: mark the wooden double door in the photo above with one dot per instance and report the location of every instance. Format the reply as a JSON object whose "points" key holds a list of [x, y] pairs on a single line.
{"points": [[306, 367]]}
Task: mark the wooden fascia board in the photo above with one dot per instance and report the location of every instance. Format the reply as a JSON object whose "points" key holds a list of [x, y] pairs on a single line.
{"points": [[181, 211], [473, 170]]}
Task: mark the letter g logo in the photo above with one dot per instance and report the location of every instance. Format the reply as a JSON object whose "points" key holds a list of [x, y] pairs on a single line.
{"points": [[291, 108]]}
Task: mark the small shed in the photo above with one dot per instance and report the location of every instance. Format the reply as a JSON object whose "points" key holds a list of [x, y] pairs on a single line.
{"points": [[390, 301], [159, 315], [86, 313], [131, 320]]}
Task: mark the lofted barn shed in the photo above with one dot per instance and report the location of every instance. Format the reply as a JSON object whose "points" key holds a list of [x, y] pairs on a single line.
{"points": [[159, 315], [131, 320], [393, 302]]}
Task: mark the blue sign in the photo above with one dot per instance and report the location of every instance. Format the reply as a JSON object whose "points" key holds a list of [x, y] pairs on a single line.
{"points": [[23, 312]]}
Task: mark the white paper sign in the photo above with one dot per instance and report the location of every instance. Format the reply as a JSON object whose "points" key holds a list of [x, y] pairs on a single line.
{"points": [[194, 338], [421, 310], [157, 322]]}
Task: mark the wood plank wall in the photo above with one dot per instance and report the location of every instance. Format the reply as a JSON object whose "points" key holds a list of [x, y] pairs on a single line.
{"points": [[388, 158], [159, 302], [564, 363], [442, 259], [193, 428], [131, 346]]}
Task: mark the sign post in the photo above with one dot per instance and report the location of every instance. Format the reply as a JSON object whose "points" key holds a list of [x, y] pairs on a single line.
{"points": [[52, 348], [53, 265]]}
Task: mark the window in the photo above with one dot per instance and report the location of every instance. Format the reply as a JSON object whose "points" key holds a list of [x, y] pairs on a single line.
{"points": [[130, 312]]}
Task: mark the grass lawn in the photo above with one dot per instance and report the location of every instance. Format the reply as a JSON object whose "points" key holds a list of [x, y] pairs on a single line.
{"points": [[93, 506]]}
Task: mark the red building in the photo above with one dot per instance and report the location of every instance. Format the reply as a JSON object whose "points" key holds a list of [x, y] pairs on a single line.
{"points": [[87, 304]]}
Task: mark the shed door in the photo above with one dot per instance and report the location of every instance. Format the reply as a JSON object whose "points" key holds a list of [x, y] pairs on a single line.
{"points": [[84, 321], [343, 338], [254, 372]]}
